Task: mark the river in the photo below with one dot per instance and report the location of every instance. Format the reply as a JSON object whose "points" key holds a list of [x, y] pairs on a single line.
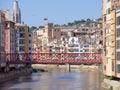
{"points": [[57, 80]]}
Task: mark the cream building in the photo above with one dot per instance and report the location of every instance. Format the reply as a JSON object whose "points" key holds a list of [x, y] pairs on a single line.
{"points": [[47, 38]]}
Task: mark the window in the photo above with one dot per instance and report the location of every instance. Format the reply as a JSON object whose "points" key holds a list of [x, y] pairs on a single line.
{"points": [[112, 65], [104, 18], [108, 11], [108, 28], [71, 50], [104, 67], [86, 50], [83, 29], [118, 20], [44, 30], [29, 35], [118, 68], [105, 31], [21, 41], [76, 50], [76, 46], [29, 48], [29, 41], [118, 56], [81, 50], [21, 30], [22, 35], [21, 48], [118, 32], [118, 44], [112, 39]]}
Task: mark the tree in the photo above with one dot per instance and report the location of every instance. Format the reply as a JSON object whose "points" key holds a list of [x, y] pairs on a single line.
{"points": [[70, 24], [89, 20], [56, 25], [33, 28], [41, 26], [99, 19]]}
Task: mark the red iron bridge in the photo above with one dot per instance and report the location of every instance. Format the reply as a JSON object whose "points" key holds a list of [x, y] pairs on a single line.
{"points": [[54, 58]]}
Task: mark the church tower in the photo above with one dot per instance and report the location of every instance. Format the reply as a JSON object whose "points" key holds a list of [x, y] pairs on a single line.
{"points": [[16, 12]]}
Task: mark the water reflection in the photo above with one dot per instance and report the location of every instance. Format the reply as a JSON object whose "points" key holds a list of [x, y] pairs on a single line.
{"points": [[57, 80]]}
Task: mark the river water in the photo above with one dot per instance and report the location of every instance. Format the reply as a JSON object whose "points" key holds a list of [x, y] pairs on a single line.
{"points": [[57, 80]]}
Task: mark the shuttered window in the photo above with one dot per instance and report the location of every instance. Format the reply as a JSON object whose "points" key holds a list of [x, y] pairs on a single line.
{"points": [[118, 56], [118, 68]]}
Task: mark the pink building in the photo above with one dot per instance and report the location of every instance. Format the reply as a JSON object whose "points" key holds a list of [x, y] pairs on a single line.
{"points": [[10, 37]]}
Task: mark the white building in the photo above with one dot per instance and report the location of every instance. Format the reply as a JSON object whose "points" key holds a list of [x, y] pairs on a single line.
{"points": [[73, 45]]}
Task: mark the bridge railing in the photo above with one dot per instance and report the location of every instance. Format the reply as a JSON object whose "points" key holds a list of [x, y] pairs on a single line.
{"points": [[54, 57]]}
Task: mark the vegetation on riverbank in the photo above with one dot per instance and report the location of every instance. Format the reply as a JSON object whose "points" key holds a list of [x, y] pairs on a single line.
{"points": [[39, 70]]}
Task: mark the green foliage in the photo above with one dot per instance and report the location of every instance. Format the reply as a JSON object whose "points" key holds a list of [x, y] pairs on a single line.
{"points": [[88, 22], [111, 88], [39, 70], [41, 26], [110, 78], [76, 23], [99, 19], [33, 28], [56, 25]]}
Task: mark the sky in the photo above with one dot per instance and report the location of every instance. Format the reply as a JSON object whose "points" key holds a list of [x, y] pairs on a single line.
{"points": [[60, 12]]}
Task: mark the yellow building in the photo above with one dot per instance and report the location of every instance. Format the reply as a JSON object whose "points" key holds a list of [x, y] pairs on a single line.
{"points": [[111, 66]]}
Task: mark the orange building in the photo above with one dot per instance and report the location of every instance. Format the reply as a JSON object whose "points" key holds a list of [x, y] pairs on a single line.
{"points": [[111, 60]]}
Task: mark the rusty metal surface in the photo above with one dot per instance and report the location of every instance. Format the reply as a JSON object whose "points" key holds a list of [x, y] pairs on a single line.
{"points": [[54, 58]]}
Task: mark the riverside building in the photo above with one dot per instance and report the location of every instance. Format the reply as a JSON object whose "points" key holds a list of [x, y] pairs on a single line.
{"points": [[111, 41]]}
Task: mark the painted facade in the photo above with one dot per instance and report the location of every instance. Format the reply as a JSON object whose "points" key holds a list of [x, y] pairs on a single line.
{"points": [[2, 40], [23, 39], [111, 65]]}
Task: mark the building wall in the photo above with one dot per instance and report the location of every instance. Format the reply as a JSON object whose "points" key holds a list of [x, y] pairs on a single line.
{"points": [[107, 35], [110, 39], [30, 41], [118, 41], [22, 38], [46, 37], [2, 39], [10, 37]]}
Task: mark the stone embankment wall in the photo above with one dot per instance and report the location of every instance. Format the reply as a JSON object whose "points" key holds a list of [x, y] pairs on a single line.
{"points": [[14, 74], [111, 83], [53, 66]]}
